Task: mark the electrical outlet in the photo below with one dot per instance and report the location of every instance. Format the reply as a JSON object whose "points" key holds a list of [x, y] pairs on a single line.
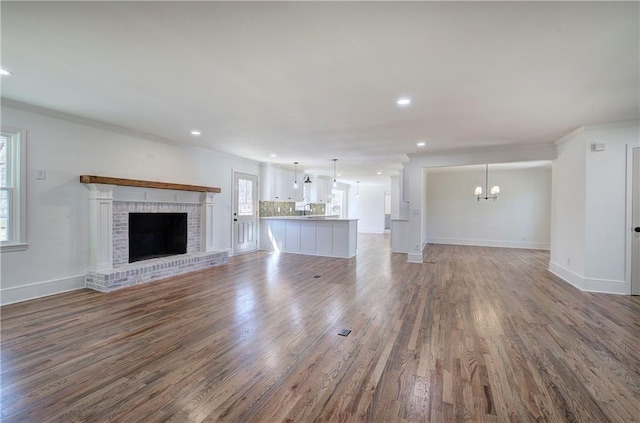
{"points": [[150, 156], [41, 174]]}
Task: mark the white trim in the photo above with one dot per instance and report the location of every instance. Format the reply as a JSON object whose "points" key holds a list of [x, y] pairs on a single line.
{"points": [[491, 243], [6, 102], [628, 265], [18, 168], [155, 195], [414, 258], [18, 246], [582, 129], [567, 275], [545, 151], [569, 136], [41, 289], [604, 286]]}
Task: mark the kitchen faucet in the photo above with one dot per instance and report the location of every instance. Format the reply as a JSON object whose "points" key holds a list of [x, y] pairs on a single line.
{"points": [[304, 209]]}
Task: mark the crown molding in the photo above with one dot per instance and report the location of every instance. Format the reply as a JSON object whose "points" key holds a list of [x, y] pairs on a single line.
{"points": [[57, 114]]}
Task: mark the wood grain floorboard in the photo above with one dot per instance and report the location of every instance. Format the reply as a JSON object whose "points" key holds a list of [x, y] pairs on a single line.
{"points": [[474, 334]]}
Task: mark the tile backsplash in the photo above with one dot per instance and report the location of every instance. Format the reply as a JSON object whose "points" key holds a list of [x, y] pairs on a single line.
{"points": [[286, 208]]}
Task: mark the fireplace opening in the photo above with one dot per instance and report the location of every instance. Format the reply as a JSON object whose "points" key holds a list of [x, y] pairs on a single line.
{"points": [[153, 235]]}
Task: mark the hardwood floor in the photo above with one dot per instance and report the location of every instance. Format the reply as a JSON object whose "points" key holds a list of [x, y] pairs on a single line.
{"points": [[474, 334]]}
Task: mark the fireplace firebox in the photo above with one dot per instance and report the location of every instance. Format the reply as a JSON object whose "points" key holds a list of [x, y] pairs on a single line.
{"points": [[153, 235]]}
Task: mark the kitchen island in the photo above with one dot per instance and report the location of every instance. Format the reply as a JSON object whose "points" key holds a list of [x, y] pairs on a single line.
{"points": [[312, 235]]}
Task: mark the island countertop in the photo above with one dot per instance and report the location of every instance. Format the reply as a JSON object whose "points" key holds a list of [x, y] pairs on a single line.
{"points": [[313, 235], [310, 217]]}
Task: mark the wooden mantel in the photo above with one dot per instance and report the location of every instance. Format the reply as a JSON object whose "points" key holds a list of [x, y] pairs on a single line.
{"points": [[92, 179]]}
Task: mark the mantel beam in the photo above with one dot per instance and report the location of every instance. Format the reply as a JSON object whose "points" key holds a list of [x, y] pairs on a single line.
{"points": [[92, 179]]}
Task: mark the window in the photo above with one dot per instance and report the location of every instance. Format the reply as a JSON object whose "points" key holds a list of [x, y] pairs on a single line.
{"points": [[245, 197], [12, 190]]}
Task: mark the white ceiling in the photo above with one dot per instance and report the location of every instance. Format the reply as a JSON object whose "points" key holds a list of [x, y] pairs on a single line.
{"points": [[312, 81]]}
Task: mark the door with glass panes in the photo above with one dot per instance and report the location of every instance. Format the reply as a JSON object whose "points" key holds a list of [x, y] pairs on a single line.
{"points": [[245, 213]]}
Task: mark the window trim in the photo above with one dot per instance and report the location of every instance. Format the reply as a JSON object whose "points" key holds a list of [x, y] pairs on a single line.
{"points": [[18, 168]]}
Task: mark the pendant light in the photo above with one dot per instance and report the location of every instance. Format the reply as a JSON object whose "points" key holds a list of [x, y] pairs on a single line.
{"points": [[334, 172], [358, 189], [495, 190], [295, 181]]}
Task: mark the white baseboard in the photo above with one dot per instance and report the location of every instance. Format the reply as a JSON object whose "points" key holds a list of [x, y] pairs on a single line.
{"points": [[40, 289], [414, 257], [491, 243], [604, 286]]}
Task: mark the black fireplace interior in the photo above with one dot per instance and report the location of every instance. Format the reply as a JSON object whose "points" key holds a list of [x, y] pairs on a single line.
{"points": [[153, 235]]}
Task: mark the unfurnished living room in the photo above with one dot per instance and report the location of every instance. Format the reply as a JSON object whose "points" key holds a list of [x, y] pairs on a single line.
{"points": [[320, 211]]}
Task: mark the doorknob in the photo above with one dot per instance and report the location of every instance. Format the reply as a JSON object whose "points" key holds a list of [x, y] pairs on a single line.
{"points": [[637, 229]]}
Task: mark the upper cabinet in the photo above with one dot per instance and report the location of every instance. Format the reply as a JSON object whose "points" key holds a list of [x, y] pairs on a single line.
{"points": [[277, 184], [319, 191]]}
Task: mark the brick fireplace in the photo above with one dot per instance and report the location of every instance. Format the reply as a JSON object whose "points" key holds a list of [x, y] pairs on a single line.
{"points": [[113, 201]]}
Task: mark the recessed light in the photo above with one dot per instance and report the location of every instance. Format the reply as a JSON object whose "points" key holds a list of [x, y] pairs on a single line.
{"points": [[274, 155], [5, 72], [404, 101], [421, 144], [339, 174], [379, 173], [195, 132]]}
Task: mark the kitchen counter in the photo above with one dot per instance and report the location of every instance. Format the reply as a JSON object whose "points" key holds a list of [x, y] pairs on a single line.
{"points": [[312, 217], [326, 236]]}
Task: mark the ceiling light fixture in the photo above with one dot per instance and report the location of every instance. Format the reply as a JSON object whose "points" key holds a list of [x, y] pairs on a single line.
{"points": [[403, 101], [307, 180], [379, 173], [495, 190], [335, 183], [421, 144], [358, 189], [273, 155], [194, 132], [295, 170], [5, 72]]}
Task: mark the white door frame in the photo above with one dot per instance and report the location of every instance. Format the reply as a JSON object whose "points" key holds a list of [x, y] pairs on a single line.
{"points": [[633, 186], [234, 205]]}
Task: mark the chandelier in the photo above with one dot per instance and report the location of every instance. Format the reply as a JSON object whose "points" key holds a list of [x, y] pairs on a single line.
{"points": [[495, 190]]}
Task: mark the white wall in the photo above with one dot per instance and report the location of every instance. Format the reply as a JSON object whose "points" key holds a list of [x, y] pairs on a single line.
{"points": [[519, 218], [416, 181], [568, 210], [591, 209], [369, 207], [57, 208]]}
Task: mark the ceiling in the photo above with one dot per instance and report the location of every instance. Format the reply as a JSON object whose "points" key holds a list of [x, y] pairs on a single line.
{"points": [[312, 81]]}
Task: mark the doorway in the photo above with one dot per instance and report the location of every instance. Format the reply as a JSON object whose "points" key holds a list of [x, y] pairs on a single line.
{"points": [[635, 224], [245, 213], [387, 211]]}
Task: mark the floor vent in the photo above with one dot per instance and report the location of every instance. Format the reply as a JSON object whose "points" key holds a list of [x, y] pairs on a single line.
{"points": [[316, 276], [344, 332]]}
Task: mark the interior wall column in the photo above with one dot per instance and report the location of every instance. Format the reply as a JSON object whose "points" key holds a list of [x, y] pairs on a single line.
{"points": [[100, 226], [206, 222]]}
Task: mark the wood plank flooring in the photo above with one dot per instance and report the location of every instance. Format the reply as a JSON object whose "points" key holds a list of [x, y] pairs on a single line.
{"points": [[472, 335]]}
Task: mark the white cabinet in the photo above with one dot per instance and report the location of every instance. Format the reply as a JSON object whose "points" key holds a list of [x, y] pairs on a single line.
{"points": [[320, 190], [314, 236], [277, 184]]}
